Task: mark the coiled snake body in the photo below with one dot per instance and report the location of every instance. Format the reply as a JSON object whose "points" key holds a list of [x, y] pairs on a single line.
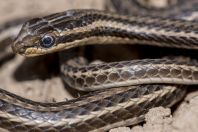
{"points": [[123, 95]]}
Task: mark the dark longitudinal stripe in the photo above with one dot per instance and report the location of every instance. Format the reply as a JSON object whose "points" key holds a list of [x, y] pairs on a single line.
{"points": [[55, 16], [66, 23], [135, 110], [83, 109], [80, 19], [114, 32]]}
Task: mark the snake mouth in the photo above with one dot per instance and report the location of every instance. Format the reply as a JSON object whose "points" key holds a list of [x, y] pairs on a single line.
{"points": [[30, 55], [22, 49]]}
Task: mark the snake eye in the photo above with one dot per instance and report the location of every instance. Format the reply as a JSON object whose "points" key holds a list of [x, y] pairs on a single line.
{"points": [[47, 41]]}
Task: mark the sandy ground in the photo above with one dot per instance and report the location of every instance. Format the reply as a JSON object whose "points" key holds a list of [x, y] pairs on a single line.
{"points": [[48, 88]]}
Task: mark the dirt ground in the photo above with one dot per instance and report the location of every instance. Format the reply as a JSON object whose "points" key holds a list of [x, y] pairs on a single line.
{"points": [[16, 75]]}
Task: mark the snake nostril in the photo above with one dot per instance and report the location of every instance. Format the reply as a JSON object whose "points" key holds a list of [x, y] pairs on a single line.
{"points": [[17, 48], [21, 50]]}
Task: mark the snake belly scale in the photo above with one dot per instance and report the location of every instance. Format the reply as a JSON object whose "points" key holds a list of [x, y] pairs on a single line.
{"points": [[125, 90]]}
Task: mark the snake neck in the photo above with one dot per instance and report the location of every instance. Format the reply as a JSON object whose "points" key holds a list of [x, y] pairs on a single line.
{"points": [[100, 28]]}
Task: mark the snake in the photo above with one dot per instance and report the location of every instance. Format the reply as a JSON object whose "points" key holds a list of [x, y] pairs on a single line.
{"points": [[120, 93]]}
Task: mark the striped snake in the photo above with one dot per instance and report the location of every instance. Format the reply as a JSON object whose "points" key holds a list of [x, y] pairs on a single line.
{"points": [[125, 90]]}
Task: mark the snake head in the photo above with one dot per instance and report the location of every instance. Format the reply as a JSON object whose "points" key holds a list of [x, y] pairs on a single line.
{"points": [[49, 34], [36, 37]]}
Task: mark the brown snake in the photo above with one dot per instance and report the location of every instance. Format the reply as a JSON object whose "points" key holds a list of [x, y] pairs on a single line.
{"points": [[117, 103]]}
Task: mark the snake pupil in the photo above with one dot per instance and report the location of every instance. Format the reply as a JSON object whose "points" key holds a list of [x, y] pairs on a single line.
{"points": [[47, 41]]}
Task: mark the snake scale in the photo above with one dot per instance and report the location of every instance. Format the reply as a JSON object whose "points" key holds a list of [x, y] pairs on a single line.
{"points": [[123, 91]]}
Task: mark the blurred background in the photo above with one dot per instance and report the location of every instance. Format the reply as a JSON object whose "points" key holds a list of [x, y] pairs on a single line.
{"points": [[11, 9]]}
